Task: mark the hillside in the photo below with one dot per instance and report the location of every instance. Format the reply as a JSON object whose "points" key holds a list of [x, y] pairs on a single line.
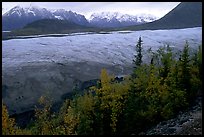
{"points": [[54, 25], [50, 26], [185, 15]]}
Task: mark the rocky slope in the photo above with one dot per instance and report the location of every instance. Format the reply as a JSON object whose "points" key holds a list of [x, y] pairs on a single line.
{"points": [[188, 122]]}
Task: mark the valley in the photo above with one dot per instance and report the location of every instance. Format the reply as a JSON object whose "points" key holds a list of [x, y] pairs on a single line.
{"points": [[114, 73], [58, 62]]}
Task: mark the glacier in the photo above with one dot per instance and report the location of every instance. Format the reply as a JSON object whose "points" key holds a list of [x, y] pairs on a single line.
{"points": [[112, 48], [33, 66]]}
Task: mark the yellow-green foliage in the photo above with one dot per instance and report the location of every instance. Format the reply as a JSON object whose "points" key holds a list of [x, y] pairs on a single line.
{"points": [[8, 124], [159, 95], [71, 120], [112, 96], [141, 81], [84, 108], [43, 124]]}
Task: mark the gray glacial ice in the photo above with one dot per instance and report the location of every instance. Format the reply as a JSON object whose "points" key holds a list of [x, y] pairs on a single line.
{"points": [[35, 66]]}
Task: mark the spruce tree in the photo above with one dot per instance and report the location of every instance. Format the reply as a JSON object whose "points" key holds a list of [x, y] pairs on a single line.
{"points": [[138, 57], [185, 68], [166, 57]]}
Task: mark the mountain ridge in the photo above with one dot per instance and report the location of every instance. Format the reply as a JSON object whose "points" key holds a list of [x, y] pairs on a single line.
{"points": [[184, 15], [117, 19], [18, 17]]}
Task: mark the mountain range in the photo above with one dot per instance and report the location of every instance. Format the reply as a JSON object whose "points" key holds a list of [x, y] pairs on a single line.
{"points": [[28, 21], [116, 19], [19, 17]]}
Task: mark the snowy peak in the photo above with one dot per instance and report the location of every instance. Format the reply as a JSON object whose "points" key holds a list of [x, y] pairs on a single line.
{"points": [[17, 10], [29, 11], [69, 15], [146, 17], [123, 17], [44, 13], [111, 15], [18, 16], [105, 18], [104, 15]]}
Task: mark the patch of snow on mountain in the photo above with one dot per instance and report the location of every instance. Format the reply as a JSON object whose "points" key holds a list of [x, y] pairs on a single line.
{"points": [[30, 11], [59, 17], [19, 13]]}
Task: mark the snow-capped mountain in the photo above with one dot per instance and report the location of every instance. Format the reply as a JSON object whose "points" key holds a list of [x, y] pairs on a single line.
{"points": [[116, 19], [18, 16], [146, 17], [29, 11], [69, 15]]}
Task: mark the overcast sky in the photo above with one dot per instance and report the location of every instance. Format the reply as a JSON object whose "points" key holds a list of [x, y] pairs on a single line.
{"points": [[158, 9]]}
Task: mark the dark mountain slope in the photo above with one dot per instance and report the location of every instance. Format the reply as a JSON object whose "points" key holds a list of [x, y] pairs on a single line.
{"points": [[53, 25], [47, 26], [185, 15]]}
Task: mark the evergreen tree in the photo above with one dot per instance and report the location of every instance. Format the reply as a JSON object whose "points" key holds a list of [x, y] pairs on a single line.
{"points": [[185, 68], [185, 75], [138, 57], [166, 61]]}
